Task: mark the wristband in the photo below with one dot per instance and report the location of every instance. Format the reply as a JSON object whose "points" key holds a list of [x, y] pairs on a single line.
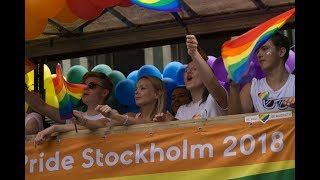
{"points": [[127, 117]]}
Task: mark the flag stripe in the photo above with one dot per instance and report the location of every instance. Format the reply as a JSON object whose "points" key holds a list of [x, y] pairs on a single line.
{"points": [[236, 53], [220, 173], [68, 94]]}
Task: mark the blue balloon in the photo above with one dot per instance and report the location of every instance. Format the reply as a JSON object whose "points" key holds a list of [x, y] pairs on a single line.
{"points": [[124, 92], [170, 70], [149, 70], [170, 85], [180, 75], [133, 76]]}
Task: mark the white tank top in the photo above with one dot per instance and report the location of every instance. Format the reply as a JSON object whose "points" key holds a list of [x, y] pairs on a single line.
{"points": [[265, 99], [90, 118]]}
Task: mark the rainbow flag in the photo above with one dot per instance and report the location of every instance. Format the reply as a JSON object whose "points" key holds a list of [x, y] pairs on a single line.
{"points": [[68, 94], [28, 66], [159, 5], [236, 53]]}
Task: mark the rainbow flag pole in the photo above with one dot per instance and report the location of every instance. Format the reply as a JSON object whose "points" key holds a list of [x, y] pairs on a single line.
{"points": [[236, 53], [68, 94]]}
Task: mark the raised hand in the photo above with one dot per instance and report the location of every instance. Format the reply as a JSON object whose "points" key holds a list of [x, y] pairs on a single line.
{"points": [[192, 44]]}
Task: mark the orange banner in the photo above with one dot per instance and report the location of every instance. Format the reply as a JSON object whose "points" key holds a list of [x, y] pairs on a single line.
{"points": [[165, 151]]}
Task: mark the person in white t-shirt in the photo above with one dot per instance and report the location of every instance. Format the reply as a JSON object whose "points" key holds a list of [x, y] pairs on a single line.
{"points": [[274, 92], [209, 98]]}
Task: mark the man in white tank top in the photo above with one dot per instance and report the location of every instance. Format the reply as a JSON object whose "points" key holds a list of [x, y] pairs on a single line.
{"points": [[274, 92]]}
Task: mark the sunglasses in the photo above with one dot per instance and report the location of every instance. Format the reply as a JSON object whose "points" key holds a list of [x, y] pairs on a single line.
{"points": [[93, 85], [271, 103]]}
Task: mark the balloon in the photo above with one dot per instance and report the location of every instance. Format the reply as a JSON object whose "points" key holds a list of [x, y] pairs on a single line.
{"points": [[219, 70], [30, 77], [124, 92], [44, 9], [26, 106], [102, 68], [65, 15], [105, 3], [210, 61], [149, 70], [84, 9], [26, 79], [51, 97], [180, 75], [76, 73], [133, 76], [34, 27], [290, 63], [170, 85], [170, 70], [125, 3], [116, 76]]}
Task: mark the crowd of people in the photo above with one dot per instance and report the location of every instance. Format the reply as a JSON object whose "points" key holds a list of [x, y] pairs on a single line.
{"points": [[201, 97]]}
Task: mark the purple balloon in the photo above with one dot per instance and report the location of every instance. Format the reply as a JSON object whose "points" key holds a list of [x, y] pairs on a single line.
{"points": [[219, 70], [290, 63], [210, 61]]}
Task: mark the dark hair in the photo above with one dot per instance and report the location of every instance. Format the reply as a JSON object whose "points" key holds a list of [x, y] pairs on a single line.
{"points": [[205, 95], [280, 40], [184, 87], [106, 82]]}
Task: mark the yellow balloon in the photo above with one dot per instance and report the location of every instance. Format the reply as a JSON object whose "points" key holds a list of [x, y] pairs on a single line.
{"points": [[25, 106], [51, 97], [29, 77]]}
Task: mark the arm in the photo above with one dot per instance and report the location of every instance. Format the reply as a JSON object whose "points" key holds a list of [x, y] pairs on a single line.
{"points": [[118, 119], [246, 100], [43, 135], [39, 105], [206, 74], [235, 106]]}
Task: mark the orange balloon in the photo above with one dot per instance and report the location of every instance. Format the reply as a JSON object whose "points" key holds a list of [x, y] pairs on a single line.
{"points": [[33, 27], [43, 9], [66, 16]]}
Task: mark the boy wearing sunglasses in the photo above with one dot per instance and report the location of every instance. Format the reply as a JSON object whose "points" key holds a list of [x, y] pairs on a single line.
{"points": [[98, 90], [274, 92]]}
